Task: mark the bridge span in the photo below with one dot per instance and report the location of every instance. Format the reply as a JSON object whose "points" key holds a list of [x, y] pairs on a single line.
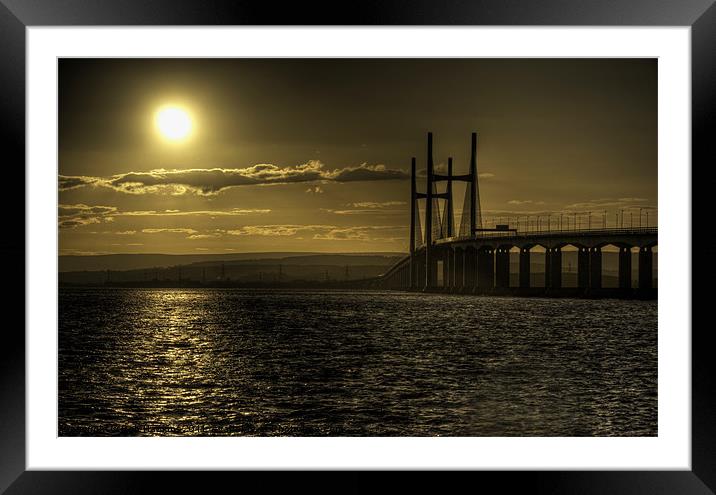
{"points": [[481, 264], [476, 259]]}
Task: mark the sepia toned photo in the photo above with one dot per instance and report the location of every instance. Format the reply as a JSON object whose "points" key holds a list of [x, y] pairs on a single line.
{"points": [[357, 247]]}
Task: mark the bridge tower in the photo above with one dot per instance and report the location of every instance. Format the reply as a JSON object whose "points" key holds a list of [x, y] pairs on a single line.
{"points": [[422, 273], [473, 184], [429, 217], [449, 215], [413, 279]]}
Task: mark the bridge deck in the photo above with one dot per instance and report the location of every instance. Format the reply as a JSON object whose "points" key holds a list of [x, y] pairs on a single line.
{"points": [[539, 234], [491, 249]]}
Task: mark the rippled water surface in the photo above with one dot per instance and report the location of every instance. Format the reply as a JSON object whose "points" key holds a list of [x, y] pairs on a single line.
{"points": [[306, 363]]}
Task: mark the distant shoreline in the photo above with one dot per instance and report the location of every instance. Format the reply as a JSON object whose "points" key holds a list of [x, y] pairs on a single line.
{"points": [[128, 262], [531, 292]]}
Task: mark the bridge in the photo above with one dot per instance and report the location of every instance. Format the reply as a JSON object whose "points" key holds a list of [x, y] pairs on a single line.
{"points": [[476, 257]]}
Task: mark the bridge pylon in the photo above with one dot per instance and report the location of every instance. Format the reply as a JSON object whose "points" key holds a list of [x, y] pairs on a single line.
{"points": [[413, 217], [429, 217], [446, 224]]}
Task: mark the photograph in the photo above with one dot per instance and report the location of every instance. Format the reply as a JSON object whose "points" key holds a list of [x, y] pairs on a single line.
{"points": [[357, 247]]}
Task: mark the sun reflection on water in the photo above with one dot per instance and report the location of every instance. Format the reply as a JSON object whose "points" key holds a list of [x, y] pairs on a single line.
{"points": [[231, 362]]}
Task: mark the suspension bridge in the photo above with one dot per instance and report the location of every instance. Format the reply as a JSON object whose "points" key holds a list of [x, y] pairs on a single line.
{"points": [[475, 257]]}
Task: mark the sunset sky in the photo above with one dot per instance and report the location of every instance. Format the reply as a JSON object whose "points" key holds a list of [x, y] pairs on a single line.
{"points": [[314, 154]]}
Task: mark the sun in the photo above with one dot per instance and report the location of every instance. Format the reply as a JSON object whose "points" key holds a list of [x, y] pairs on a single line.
{"points": [[174, 123]]}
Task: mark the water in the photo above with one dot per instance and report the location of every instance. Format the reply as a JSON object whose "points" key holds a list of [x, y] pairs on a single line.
{"points": [[311, 363]]}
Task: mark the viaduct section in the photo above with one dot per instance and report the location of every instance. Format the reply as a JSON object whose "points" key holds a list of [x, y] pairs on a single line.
{"points": [[474, 259]]}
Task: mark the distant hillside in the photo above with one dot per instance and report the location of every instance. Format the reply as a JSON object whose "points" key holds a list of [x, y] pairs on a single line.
{"points": [[277, 268], [150, 261], [271, 269], [313, 259]]}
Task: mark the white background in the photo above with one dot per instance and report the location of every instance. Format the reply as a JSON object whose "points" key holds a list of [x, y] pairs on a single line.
{"points": [[670, 450]]}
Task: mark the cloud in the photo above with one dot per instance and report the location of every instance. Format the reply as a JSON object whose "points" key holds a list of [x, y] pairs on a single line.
{"points": [[364, 212], [67, 182], [346, 234], [320, 232], [204, 236], [77, 252], [604, 203], [524, 202], [314, 190], [82, 209], [362, 233], [349, 212], [208, 182], [370, 208], [77, 222], [71, 216], [365, 172], [373, 204], [178, 213], [172, 230], [275, 230]]}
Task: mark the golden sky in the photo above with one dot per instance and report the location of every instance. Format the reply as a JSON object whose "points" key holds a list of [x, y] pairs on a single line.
{"points": [[314, 154]]}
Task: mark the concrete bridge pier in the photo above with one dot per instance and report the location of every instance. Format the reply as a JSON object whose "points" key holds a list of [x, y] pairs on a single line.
{"points": [[445, 256], [646, 263], [624, 268], [432, 276], [502, 268], [459, 269], [420, 269], [485, 269], [524, 268], [583, 268], [595, 268], [451, 269], [470, 267], [553, 268]]}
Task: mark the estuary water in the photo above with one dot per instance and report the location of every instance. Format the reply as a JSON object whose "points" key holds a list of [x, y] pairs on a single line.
{"points": [[206, 362]]}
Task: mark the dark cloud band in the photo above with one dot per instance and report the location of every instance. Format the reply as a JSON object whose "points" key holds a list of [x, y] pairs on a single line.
{"points": [[211, 181]]}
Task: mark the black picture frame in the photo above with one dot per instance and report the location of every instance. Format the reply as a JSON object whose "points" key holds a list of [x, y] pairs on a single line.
{"points": [[16, 15]]}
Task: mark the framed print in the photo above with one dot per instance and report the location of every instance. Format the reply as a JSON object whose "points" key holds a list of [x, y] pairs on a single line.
{"points": [[419, 237]]}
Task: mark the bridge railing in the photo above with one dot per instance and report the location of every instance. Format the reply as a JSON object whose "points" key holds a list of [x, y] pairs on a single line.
{"points": [[395, 266], [625, 217], [595, 232]]}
